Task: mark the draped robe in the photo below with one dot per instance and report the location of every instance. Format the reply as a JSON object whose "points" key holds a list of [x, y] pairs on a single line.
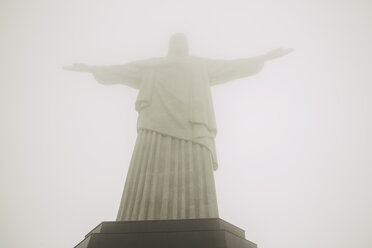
{"points": [[171, 171]]}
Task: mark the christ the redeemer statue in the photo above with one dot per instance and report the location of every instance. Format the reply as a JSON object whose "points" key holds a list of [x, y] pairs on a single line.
{"points": [[171, 170]]}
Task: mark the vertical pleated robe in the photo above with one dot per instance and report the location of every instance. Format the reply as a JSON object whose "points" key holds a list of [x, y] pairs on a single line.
{"points": [[171, 171], [168, 178]]}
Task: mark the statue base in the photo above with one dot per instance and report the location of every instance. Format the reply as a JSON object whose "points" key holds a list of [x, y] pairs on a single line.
{"points": [[186, 233]]}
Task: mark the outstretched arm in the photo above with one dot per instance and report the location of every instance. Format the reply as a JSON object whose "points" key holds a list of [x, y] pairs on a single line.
{"points": [[276, 53], [222, 71], [128, 74]]}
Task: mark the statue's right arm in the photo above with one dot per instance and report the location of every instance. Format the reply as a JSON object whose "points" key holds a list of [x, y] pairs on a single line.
{"points": [[128, 74]]}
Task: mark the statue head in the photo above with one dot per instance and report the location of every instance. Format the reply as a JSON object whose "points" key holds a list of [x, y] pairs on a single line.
{"points": [[178, 45]]}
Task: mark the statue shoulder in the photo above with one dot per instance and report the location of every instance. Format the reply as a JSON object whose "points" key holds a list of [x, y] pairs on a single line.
{"points": [[198, 59]]}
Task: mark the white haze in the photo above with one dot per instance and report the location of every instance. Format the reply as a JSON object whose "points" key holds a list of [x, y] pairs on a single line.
{"points": [[294, 142]]}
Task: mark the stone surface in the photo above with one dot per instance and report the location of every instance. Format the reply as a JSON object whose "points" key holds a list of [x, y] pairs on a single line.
{"points": [[171, 172], [190, 233]]}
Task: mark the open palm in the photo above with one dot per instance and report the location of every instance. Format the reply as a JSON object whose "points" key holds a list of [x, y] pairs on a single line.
{"points": [[276, 53]]}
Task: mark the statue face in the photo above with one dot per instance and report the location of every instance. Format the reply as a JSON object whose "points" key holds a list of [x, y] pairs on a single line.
{"points": [[178, 46]]}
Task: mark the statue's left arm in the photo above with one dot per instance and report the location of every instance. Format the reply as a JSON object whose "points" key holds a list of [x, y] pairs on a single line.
{"points": [[222, 71]]}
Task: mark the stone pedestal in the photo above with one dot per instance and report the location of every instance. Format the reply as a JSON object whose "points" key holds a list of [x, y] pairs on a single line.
{"points": [[190, 233]]}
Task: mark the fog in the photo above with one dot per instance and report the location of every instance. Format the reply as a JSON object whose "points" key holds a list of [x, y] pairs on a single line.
{"points": [[293, 142]]}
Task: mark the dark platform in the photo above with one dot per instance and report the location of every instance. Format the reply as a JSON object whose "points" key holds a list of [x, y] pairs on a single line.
{"points": [[190, 233]]}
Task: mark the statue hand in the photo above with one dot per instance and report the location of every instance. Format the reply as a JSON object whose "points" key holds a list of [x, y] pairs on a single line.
{"points": [[276, 53], [78, 67]]}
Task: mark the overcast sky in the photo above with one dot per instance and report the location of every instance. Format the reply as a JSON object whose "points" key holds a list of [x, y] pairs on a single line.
{"points": [[294, 142]]}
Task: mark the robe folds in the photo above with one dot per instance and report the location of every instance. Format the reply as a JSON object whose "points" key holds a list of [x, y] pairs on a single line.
{"points": [[174, 103]]}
